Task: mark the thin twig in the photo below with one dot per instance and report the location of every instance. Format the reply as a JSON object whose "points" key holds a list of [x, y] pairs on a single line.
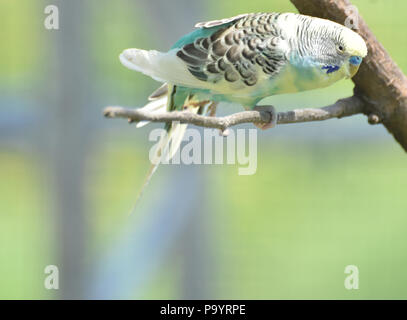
{"points": [[342, 108]]}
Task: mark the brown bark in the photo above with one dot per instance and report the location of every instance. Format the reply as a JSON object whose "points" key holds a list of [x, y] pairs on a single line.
{"points": [[379, 82]]}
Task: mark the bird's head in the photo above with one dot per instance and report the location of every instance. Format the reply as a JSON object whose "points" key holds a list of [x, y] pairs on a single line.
{"points": [[353, 48], [334, 47]]}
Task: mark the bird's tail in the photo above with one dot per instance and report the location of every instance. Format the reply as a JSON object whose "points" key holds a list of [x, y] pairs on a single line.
{"points": [[170, 140]]}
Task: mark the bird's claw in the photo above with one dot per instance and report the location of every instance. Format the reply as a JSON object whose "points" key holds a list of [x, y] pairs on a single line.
{"points": [[273, 116]]}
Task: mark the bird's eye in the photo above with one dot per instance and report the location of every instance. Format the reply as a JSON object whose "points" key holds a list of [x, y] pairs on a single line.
{"points": [[341, 48]]}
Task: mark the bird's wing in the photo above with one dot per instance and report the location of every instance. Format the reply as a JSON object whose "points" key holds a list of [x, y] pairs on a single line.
{"points": [[241, 50], [215, 23], [226, 56]]}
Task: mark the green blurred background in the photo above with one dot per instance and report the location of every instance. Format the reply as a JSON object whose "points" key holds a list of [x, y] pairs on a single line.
{"points": [[325, 195]]}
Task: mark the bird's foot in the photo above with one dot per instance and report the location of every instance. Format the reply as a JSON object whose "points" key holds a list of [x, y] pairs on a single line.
{"points": [[273, 117]]}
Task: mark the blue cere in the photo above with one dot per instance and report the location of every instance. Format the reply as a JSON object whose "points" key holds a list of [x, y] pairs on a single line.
{"points": [[330, 69], [355, 60]]}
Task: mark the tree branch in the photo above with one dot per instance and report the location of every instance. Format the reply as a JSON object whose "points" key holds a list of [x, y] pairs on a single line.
{"points": [[342, 108]]}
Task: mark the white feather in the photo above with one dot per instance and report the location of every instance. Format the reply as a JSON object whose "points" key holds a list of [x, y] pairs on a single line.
{"points": [[171, 141], [156, 106], [163, 67]]}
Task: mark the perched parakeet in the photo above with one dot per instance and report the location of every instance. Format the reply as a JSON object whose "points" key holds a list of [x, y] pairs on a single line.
{"points": [[244, 59]]}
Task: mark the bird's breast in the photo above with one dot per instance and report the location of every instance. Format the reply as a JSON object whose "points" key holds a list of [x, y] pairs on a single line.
{"points": [[295, 78]]}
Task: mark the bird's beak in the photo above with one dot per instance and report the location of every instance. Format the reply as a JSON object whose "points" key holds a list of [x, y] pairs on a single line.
{"points": [[353, 69], [354, 64]]}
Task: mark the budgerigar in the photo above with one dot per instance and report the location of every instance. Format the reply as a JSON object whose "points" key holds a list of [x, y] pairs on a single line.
{"points": [[244, 59]]}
